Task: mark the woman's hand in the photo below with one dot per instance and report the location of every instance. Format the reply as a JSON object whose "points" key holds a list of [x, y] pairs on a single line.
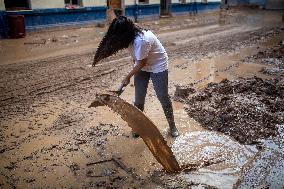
{"points": [[140, 64], [125, 81]]}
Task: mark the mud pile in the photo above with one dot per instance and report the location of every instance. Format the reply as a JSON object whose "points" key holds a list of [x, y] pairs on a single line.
{"points": [[245, 109]]}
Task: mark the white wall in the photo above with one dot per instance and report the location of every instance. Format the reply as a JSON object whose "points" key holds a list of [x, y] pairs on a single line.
{"points": [[94, 3], [2, 5], [44, 4]]}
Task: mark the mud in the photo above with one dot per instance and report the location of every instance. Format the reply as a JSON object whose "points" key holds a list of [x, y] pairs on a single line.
{"points": [[246, 109], [51, 139]]}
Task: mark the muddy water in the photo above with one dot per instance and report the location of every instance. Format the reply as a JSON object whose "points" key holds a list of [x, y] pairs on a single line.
{"points": [[228, 66]]}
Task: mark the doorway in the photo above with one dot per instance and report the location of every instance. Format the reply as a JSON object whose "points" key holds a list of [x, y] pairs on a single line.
{"points": [[165, 7]]}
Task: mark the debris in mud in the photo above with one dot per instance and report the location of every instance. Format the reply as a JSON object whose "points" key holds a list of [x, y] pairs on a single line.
{"points": [[272, 71], [112, 173], [183, 91], [11, 166], [272, 57], [54, 39], [246, 109], [36, 42], [174, 181], [97, 135], [74, 167], [67, 119]]}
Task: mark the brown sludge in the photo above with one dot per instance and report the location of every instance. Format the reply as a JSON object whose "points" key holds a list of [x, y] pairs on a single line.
{"points": [[142, 125]]}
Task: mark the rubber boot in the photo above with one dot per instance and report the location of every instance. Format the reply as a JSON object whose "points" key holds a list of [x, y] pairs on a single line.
{"points": [[140, 107], [171, 121]]}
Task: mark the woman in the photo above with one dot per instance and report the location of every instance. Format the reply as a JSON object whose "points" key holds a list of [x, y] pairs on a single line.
{"points": [[150, 62]]}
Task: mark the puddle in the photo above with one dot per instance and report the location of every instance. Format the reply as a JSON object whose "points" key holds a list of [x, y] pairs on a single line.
{"points": [[221, 67]]}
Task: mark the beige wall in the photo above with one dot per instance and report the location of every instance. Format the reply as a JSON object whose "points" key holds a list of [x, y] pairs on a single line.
{"points": [[44, 4], [94, 3], [131, 2], [191, 1], [154, 1], [187, 1], [2, 5]]}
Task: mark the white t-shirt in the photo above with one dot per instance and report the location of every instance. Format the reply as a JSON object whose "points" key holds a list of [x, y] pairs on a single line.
{"points": [[148, 46]]}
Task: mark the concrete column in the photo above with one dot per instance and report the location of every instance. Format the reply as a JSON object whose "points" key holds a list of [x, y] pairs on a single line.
{"points": [[43, 4], [2, 5]]}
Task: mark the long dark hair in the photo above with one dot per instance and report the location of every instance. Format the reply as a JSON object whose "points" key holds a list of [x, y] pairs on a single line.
{"points": [[120, 34]]}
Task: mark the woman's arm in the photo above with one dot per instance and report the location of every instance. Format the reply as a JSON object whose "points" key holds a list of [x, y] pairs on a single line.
{"points": [[140, 64]]}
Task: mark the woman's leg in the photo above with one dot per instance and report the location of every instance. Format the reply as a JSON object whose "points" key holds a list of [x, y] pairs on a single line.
{"points": [[141, 80], [160, 82]]}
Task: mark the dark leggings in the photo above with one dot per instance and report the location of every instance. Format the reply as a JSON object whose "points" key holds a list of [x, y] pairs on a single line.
{"points": [[160, 83]]}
